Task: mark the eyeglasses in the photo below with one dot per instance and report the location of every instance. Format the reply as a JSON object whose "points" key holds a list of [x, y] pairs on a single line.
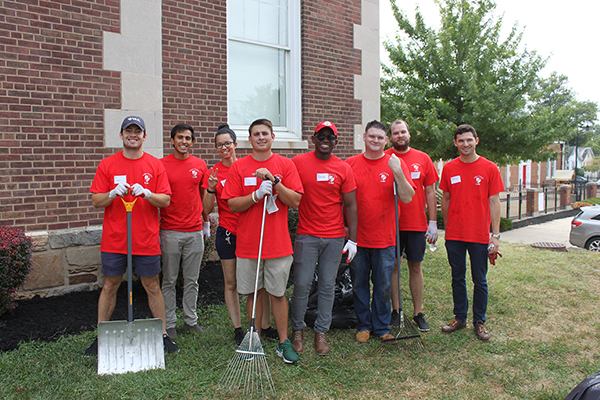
{"points": [[321, 136], [225, 144]]}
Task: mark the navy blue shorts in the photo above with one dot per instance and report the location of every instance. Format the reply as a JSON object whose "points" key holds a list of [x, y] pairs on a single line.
{"points": [[225, 244], [115, 264], [413, 244]]}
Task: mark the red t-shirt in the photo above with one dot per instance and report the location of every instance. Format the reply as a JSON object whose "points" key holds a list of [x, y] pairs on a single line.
{"points": [[240, 182], [227, 219], [324, 181], [375, 200], [470, 186], [150, 173], [184, 214], [423, 173]]}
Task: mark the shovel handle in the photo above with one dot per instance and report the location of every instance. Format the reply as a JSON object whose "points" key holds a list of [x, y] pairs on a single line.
{"points": [[128, 208]]}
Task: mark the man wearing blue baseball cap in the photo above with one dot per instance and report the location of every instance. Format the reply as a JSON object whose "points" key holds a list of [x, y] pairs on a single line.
{"points": [[131, 171]]}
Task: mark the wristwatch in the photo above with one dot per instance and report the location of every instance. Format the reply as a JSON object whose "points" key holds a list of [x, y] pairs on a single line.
{"points": [[276, 181], [496, 235]]}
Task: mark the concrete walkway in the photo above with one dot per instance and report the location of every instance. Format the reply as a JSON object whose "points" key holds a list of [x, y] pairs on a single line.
{"points": [[556, 231]]}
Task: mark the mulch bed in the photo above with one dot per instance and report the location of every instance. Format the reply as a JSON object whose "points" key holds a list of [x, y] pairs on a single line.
{"points": [[47, 319]]}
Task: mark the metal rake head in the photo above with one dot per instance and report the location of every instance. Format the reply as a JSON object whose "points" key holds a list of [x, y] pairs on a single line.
{"points": [[247, 372]]}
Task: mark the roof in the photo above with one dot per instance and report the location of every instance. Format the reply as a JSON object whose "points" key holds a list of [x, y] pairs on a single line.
{"points": [[564, 175]]}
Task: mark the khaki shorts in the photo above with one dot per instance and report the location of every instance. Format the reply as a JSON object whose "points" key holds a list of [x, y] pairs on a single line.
{"points": [[274, 274]]}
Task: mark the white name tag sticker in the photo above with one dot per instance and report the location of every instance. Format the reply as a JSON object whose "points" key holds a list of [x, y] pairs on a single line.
{"points": [[250, 181], [415, 175], [120, 179], [455, 179], [322, 177]]}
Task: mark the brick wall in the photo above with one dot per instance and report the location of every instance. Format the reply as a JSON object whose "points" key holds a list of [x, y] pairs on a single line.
{"points": [[53, 91], [329, 63], [195, 70]]}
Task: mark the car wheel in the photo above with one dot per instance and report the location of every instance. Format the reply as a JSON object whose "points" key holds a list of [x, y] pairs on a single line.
{"points": [[593, 244]]}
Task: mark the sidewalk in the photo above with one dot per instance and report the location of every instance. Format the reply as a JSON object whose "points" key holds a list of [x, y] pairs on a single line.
{"points": [[556, 231]]}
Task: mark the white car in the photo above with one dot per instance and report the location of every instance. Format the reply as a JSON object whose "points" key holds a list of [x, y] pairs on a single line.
{"points": [[585, 228]]}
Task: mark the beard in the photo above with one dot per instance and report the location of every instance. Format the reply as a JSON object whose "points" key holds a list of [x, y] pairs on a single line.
{"points": [[401, 147]]}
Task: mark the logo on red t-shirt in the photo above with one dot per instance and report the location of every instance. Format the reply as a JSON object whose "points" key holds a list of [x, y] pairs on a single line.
{"points": [[194, 172], [147, 176], [416, 167], [383, 176], [478, 180]]}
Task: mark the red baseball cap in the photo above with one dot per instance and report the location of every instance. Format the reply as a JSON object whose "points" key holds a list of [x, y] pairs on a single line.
{"points": [[326, 124]]}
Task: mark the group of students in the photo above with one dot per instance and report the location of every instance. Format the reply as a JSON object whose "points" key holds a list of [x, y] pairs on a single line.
{"points": [[344, 207]]}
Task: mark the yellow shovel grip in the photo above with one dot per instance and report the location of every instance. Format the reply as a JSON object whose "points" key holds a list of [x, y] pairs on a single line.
{"points": [[129, 205]]}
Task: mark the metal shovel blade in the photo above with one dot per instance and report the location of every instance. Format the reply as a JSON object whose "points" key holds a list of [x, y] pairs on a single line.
{"points": [[130, 346]]}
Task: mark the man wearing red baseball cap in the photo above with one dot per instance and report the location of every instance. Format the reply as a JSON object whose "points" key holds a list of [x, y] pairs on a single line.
{"points": [[328, 185]]}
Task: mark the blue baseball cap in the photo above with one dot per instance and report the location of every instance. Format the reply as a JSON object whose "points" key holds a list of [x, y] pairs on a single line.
{"points": [[132, 120]]}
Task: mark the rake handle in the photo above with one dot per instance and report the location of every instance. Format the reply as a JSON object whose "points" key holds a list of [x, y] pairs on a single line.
{"points": [[260, 246], [398, 255]]}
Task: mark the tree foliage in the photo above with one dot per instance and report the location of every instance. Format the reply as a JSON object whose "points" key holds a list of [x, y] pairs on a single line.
{"points": [[464, 72]]}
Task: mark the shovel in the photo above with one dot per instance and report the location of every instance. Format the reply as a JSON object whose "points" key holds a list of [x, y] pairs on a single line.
{"points": [[133, 345]]}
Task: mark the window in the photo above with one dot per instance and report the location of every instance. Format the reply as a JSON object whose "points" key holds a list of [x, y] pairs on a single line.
{"points": [[263, 65]]}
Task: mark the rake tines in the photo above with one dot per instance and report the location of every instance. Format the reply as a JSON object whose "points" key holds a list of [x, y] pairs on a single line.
{"points": [[247, 373]]}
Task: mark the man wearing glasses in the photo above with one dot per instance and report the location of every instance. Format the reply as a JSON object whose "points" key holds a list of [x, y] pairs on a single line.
{"points": [[182, 232], [328, 186]]}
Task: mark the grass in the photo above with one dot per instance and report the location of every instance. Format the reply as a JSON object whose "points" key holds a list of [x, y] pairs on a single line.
{"points": [[542, 316]]}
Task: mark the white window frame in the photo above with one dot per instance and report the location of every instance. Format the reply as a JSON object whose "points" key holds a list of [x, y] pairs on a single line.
{"points": [[290, 136]]}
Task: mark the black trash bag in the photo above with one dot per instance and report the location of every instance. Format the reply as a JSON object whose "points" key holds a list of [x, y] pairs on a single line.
{"points": [[342, 315], [588, 389]]}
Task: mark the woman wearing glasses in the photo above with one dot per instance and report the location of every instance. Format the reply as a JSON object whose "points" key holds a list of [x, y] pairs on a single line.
{"points": [[225, 141]]}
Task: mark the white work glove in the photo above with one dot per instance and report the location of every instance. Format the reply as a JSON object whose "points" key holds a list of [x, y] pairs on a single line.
{"points": [[271, 204], [266, 187], [139, 190], [432, 232], [120, 190], [206, 230], [350, 248]]}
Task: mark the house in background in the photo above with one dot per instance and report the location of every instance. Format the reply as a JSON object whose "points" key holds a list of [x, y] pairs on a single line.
{"points": [[72, 70]]}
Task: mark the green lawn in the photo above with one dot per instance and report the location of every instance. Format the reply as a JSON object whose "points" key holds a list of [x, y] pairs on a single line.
{"points": [[542, 315]]}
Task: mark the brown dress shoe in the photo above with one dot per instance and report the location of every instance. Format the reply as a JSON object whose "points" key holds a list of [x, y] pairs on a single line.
{"points": [[298, 341], [321, 344], [453, 326], [482, 332]]}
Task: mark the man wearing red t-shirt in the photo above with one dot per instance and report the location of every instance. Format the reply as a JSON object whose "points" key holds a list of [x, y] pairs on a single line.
{"points": [[471, 186], [182, 232], [131, 171], [252, 180], [413, 224], [329, 187], [375, 173]]}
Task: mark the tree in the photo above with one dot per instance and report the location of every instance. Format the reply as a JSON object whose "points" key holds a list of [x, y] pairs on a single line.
{"points": [[463, 73], [554, 108]]}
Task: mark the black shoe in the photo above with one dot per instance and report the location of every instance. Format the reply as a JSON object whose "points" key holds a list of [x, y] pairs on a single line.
{"points": [[269, 333], [238, 335], [93, 349], [395, 321], [170, 345], [422, 325]]}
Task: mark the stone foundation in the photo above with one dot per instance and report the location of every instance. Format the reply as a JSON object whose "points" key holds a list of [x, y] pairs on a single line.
{"points": [[63, 261], [68, 260]]}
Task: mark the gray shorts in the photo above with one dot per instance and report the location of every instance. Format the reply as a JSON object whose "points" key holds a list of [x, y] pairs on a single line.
{"points": [[273, 276]]}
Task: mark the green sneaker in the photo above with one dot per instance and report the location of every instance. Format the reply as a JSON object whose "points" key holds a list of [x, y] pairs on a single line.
{"points": [[286, 351]]}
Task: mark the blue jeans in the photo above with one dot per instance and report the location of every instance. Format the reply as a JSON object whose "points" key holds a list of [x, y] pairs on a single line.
{"points": [[374, 265], [457, 257], [312, 252]]}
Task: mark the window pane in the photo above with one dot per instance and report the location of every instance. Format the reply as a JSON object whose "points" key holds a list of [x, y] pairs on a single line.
{"points": [[256, 84], [259, 20]]}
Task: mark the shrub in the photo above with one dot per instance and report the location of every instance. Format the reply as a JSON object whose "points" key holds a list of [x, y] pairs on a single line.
{"points": [[15, 263], [293, 223], [505, 224]]}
